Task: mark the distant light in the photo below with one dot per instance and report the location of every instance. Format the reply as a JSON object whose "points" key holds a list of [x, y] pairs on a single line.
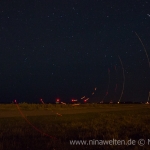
{"points": [[41, 101], [74, 100], [57, 100], [118, 102]]}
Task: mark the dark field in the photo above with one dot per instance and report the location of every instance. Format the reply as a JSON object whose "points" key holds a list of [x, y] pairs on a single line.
{"points": [[83, 122]]}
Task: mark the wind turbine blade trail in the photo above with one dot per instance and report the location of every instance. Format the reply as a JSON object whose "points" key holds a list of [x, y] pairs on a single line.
{"points": [[146, 55], [37, 129], [144, 48], [123, 78]]}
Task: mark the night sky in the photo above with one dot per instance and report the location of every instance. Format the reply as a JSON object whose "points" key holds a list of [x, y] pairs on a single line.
{"points": [[64, 49]]}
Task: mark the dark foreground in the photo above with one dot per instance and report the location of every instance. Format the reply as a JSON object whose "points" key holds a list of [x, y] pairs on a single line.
{"points": [[52, 127]]}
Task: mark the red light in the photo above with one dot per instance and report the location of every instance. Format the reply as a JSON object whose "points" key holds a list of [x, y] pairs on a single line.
{"points": [[84, 100], [57, 100], [74, 100], [41, 100]]}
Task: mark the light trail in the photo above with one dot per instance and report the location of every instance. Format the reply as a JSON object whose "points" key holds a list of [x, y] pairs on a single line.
{"points": [[56, 113], [116, 84], [147, 59], [34, 127], [144, 49], [85, 99], [123, 79]]}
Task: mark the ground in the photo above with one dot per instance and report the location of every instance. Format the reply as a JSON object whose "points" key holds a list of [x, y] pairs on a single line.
{"points": [[53, 126]]}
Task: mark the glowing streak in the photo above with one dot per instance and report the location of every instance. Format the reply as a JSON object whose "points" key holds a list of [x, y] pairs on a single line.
{"points": [[116, 83], [86, 99], [52, 110], [42, 101], [63, 103], [145, 53], [83, 97], [75, 104], [58, 114], [123, 79], [31, 123], [74, 100], [144, 49]]}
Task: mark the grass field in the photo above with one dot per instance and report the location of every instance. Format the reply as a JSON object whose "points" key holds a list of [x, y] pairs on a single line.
{"points": [[32, 129]]}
